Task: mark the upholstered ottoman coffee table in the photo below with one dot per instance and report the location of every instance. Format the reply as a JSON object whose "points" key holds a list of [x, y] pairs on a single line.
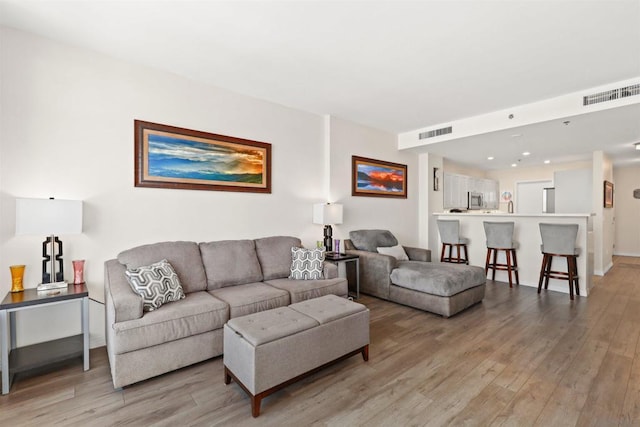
{"points": [[441, 288], [268, 350]]}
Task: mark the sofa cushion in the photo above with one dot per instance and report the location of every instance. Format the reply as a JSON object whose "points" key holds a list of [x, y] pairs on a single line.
{"points": [[198, 313], [251, 298], [183, 256], [395, 251], [274, 254], [306, 264], [440, 279], [301, 290], [370, 240], [230, 263], [157, 284]]}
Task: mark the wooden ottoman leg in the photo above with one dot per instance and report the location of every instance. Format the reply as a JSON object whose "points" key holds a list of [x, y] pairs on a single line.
{"points": [[365, 353], [255, 405]]}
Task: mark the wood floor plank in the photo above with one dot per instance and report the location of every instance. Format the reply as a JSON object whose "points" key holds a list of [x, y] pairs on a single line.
{"points": [[518, 358]]}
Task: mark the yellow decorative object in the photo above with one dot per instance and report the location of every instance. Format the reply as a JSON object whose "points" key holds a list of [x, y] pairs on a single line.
{"points": [[17, 273]]}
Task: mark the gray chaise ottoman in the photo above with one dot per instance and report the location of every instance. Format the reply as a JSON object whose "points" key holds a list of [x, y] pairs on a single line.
{"points": [[266, 351], [440, 288]]}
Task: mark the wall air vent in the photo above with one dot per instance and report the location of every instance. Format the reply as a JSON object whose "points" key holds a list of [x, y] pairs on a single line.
{"points": [[611, 95], [436, 132]]}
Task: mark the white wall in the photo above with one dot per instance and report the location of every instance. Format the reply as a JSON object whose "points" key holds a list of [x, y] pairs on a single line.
{"points": [[604, 219], [400, 216], [66, 130], [627, 211], [508, 178]]}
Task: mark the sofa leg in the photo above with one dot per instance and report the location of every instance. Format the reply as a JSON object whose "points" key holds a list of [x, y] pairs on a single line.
{"points": [[227, 376]]}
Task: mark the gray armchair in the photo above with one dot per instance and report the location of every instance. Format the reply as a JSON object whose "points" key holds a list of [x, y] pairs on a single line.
{"points": [[376, 268]]}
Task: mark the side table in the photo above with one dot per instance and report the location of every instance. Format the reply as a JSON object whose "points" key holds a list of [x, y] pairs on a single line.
{"points": [[14, 359], [337, 259]]}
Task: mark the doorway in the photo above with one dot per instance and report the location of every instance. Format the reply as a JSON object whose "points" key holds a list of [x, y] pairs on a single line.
{"points": [[529, 196]]}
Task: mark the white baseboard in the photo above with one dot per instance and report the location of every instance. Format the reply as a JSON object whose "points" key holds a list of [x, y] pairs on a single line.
{"points": [[637, 255]]}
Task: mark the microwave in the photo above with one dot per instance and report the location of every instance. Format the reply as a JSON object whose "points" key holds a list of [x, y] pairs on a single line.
{"points": [[474, 200]]}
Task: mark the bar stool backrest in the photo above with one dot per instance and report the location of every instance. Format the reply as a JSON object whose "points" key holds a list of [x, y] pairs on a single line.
{"points": [[499, 234], [559, 239], [449, 231]]}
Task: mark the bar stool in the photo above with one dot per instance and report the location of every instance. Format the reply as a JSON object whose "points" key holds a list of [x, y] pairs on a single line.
{"points": [[559, 240], [450, 237], [500, 238]]}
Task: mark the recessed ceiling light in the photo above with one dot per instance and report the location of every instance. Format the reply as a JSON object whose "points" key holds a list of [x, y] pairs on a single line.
{"points": [[637, 144], [516, 135], [491, 157], [526, 153], [546, 162], [513, 165]]}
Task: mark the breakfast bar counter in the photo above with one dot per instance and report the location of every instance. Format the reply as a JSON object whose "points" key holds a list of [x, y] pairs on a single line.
{"points": [[527, 236]]}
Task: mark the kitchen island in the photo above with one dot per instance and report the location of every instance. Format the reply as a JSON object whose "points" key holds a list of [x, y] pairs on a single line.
{"points": [[527, 235]]}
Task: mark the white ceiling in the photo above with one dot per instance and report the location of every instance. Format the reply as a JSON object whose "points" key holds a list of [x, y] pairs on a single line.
{"points": [[392, 65]]}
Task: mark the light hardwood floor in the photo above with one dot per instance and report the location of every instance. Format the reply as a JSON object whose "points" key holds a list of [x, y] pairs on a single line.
{"points": [[517, 359]]}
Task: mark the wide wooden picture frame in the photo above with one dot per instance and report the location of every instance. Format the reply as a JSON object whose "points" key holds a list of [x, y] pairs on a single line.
{"points": [[173, 157], [608, 194], [377, 178]]}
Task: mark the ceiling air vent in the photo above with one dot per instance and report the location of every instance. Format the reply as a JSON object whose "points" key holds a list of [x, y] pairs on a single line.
{"points": [[434, 133], [611, 95]]}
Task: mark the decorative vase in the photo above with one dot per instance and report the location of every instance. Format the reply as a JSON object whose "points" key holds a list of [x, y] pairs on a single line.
{"points": [[78, 271], [336, 246], [17, 274]]}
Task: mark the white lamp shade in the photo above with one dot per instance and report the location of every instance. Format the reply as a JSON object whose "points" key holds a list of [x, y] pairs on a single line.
{"points": [[327, 213], [48, 216]]}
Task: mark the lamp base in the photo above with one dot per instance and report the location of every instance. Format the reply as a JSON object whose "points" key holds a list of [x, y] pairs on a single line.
{"points": [[328, 241]]}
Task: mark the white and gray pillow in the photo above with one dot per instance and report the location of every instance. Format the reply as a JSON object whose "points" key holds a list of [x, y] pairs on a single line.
{"points": [[157, 284], [306, 264], [397, 252]]}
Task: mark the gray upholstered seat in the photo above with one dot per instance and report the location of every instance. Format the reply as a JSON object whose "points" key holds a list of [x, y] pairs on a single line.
{"points": [[439, 288], [559, 240], [449, 230], [500, 238]]}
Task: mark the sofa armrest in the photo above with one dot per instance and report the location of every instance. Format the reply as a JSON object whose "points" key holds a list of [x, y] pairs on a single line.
{"points": [[330, 270], [418, 254], [121, 302], [375, 269]]}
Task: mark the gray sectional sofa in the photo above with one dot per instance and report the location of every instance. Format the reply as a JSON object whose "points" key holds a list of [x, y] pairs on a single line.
{"points": [[221, 280], [440, 288]]}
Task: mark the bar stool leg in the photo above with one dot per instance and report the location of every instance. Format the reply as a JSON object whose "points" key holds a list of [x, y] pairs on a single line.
{"points": [[450, 250], [486, 263], [570, 272], [493, 264], [508, 254], [547, 273], [515, 266], [442, 253], [574, 261], [457, 254], [466, 255], [542, 270]]}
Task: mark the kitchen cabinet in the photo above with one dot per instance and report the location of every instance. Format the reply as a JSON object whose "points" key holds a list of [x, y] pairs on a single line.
{"points": [[456, 187]]}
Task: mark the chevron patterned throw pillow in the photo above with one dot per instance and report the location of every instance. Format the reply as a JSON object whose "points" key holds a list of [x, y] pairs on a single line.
{"points": [[306, 264], [157, 284]]}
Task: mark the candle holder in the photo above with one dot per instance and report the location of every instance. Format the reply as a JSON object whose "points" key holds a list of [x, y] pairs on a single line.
{"points": [[78, 271], [17, 274]]}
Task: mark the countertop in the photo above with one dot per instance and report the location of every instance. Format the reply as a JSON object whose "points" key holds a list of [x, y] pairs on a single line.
{"points": [[543, 215]]}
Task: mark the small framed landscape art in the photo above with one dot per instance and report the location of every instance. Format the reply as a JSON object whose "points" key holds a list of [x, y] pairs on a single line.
{"points": [[608, 194], [377, 178], [172, 157]]}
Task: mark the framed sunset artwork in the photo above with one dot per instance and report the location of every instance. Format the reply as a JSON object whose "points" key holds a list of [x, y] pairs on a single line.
{"points": [[377, 178], [172, 157]]}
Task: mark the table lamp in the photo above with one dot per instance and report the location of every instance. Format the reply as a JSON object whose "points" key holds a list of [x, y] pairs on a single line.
{"points": [[327, 214], [51, 217]]}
